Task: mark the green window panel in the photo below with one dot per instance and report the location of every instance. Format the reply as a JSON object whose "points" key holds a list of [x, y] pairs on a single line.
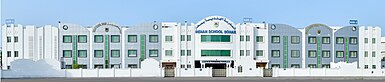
{"points": [[366, 40], [312, 40], [67, 53], [98, 53], [374, 40], [340, 40], [275, 39], [319, 52], [215, 38], [295, 53], [132, 53], [115, 53], [132, 38], [242, 38], [312, 54], [182, 52], [242, 53], [153, 38], [188, 37], [168, 52], [168, 38], [258, 52], [285, 50], [295, 39], [353, 54], [188, 52], [115, 38], [82, 53], [106, 50], [74, 50], [374, 54], [275, 53], [339, 54], [98, 38], [66, 39], [346, 49], [153, 53], [82, 38], [182, 38], [259, 38], [325, 40], [247, 52], [247, 38], [366, 53], [326, 53], [215, 52], [353, 40]]}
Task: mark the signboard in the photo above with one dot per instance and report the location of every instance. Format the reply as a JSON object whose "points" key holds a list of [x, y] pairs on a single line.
{"points": [[216, 21]]}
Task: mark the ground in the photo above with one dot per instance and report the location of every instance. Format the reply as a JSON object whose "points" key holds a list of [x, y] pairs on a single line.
{"points": [[216, 79]]}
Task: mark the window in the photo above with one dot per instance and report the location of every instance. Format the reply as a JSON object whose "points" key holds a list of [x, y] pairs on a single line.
{"points": [[115, 53], [366, 54], [242, 53], [312, 54], [258, 52], [374, 54], [275, 39], [154, 39], [182, 52], [242, 38], [188, 66], [215, 52], [9, 53], [188, 37], [98, 66], [374, 40], [8, 39], [83, 66], [295, 66], [353, 54], [98, 53], [67, 39], [16, 39], [68, 67], [312, 65], [182, 38], [168, 38], [82, 53], [326, 53], [82, 38], [132, 66], [275, 53], [115, 38], [275, 65], [153, 53], [132, 53], [247, 38], [325, 40], [295, 53], [247, 52], [353, 40], [326, 66], [259, 38], [168, 52], [98, 38], [340, 40], [295, 39], [366, 40], [339, 54], [239, 69], [182, 66], [67, 53], [215, 38], [116, 66], [132, 38], [366, 66], [373, 66], [312, 40], [188, 52], [16, 54]]}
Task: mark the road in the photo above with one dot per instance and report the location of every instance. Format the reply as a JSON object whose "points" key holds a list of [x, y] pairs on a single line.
{"points": [[201, 79]]}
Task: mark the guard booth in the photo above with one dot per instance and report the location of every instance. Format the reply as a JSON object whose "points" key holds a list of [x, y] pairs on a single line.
{"points": [[218, 67], [169, 69]]}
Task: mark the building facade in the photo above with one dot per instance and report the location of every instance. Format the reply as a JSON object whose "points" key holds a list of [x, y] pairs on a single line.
{"points": [[214, 42]]}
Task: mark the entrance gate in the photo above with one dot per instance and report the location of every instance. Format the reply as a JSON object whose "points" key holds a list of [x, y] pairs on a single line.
{"points": [[219, 70], [169, 69]]}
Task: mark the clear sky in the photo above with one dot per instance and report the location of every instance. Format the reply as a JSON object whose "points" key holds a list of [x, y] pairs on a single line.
{"points": [[297, 13]]}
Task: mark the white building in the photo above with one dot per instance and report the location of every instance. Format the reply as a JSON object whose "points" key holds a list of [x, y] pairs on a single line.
{"points": [[370, 48]]}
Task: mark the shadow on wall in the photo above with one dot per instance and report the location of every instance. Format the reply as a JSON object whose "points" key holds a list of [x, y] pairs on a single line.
{"points": [[29, 68]]}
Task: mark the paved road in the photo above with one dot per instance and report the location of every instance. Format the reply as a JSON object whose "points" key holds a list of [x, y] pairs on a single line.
{"points": [[216, 79]]}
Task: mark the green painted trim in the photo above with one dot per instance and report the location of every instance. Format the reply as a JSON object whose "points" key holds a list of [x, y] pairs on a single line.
{"points": [[106, 50], [319, 52], [74, 51], [346, 49], [142, 47], [285, 52]]}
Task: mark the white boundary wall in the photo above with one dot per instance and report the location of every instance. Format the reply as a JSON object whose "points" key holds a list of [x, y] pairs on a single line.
{"points": [[323, 72]]}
